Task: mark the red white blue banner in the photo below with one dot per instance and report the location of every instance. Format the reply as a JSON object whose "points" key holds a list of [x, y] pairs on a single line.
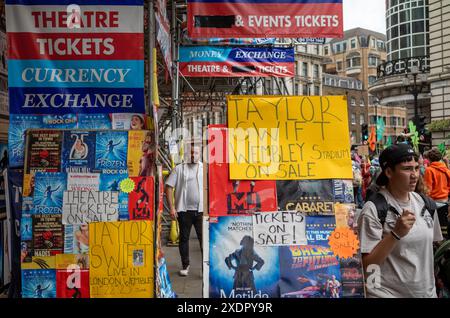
{"points": [[207, 61], [265, 18], [70, 58], [163, 33]]}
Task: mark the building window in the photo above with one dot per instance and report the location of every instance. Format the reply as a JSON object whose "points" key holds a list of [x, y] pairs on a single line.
{"points": [[305, 90], [361, 102], [315, 71], [373, 120], [361, 119], [353, 101], [325, 50], [373, 60], [339, 66], [353, 137], [305, 69], [418, 27], [296, 92], [372, 80], [317, 90], [373, 43], [315, 49], [393, 121], [353, 62], [353, 44], [353, 119], [267, 86]]}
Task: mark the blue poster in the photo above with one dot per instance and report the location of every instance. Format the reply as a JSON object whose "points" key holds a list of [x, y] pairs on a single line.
{"points": [[48, 192], [18, 124], [26, 229], [165, 286], [27, 206], [319, 228], [308, 271], [111, 151], [111, 182], [38, 283], [78, 151], [239, 268], [94, 121]]}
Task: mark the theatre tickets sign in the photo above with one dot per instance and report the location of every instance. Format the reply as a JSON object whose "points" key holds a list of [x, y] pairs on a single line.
{"points": [[66, 58], [265, 18]]}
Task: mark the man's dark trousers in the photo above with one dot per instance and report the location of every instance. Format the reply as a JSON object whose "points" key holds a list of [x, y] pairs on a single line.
{"points": [[185, 221]]}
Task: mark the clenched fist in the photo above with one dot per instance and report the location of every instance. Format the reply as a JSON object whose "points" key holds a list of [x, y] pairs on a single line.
{"points": [[404, 223]]}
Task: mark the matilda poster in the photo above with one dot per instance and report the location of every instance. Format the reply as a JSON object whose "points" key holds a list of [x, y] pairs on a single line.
{"points": [[313, 197], [233, 197], [121, 259], [238, 267], [288, 138]]}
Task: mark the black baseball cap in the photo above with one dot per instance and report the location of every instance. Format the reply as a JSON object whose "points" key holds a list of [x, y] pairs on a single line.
{"points": [[393, 155]]}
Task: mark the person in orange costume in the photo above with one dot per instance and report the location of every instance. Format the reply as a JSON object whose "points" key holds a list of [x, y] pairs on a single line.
{"points": [[437, 179]]}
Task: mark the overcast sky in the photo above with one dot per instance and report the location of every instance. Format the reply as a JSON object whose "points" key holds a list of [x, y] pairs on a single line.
{"points": [[368, 14]]}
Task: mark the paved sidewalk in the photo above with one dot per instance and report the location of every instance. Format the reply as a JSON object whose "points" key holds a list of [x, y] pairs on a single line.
{"points": [[190, 286]]}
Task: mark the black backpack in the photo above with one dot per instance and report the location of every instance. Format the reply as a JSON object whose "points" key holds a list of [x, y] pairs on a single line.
{"points": [[383, 206]]}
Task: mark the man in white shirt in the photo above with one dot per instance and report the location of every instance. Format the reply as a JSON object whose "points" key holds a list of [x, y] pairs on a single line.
{"points": [[398, 251], [187, 180]]}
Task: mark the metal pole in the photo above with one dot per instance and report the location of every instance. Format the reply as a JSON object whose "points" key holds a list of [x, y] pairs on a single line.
{"points": [[152, 31], [416, 93], [174, 67]]}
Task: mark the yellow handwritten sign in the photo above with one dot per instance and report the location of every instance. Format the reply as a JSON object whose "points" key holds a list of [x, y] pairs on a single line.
{"points": [[121, 259], [288, 138]]}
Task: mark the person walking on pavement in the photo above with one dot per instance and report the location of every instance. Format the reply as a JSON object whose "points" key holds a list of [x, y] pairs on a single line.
{"points": [[437, 179], [397, 241], [187, 180]]}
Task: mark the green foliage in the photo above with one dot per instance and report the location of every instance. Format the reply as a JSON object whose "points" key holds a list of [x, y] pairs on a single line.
{"points": [[442, 148], [439, 125]]}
